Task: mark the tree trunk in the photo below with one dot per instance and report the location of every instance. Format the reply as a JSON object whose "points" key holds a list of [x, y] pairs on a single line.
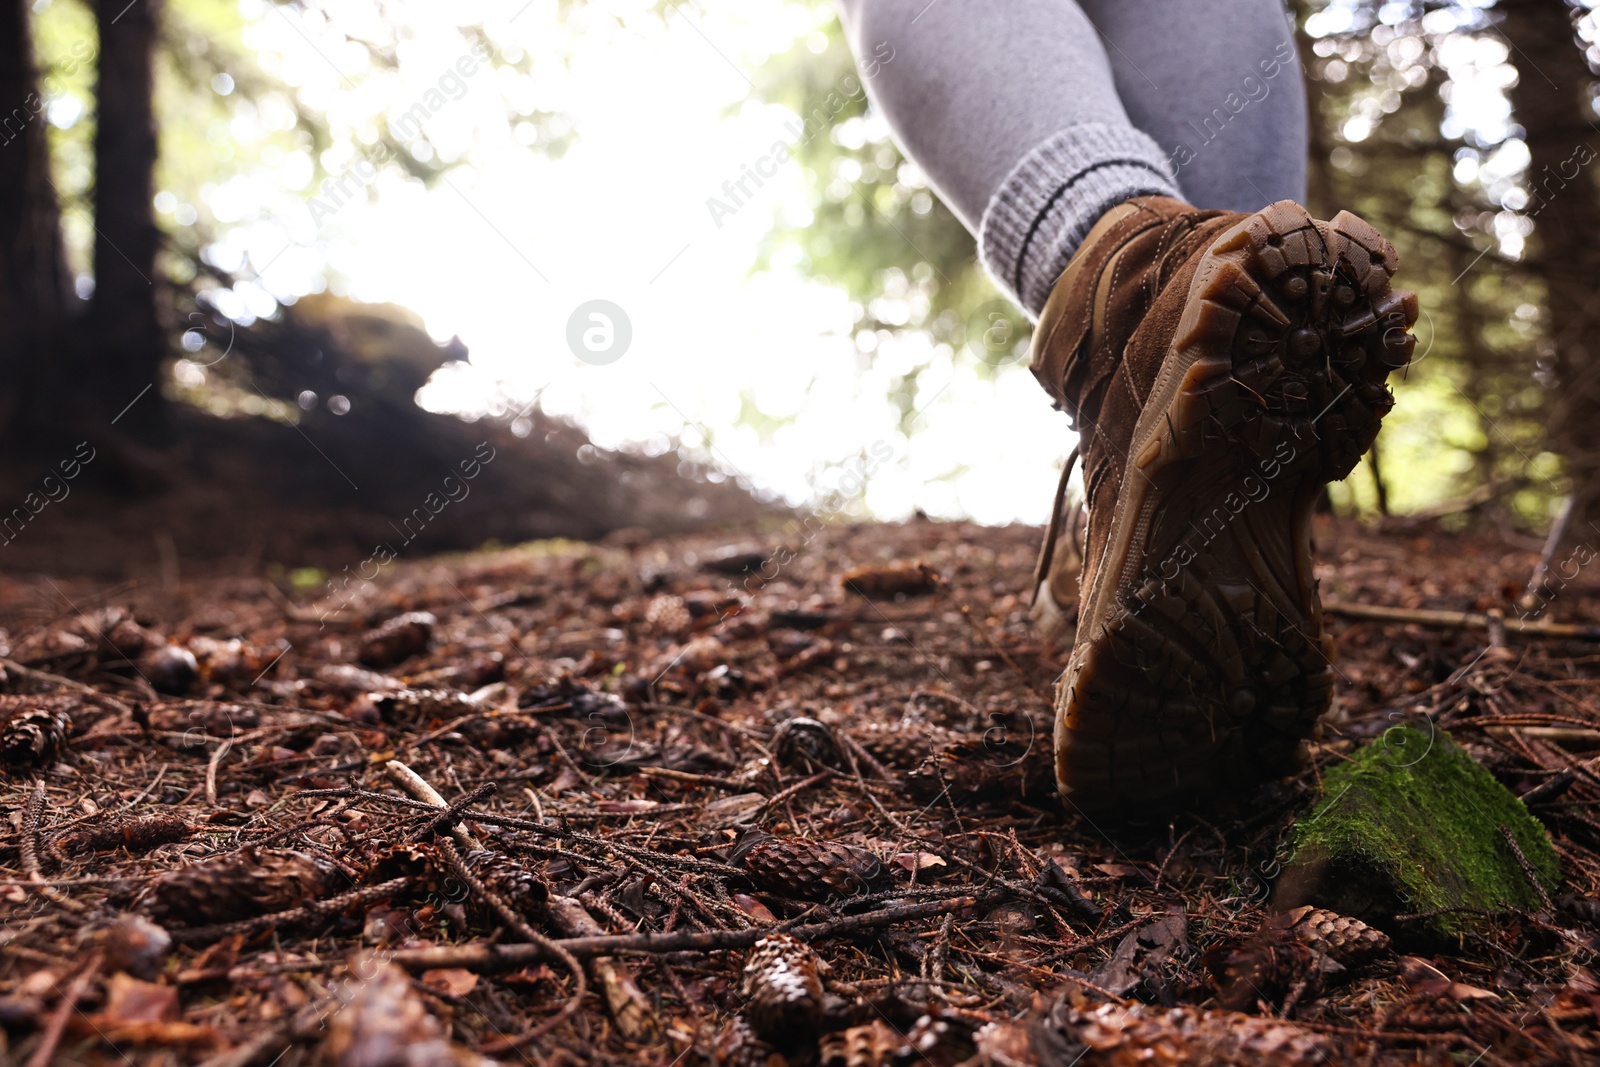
{"points": [[124, 342], [33, 272], [1550, 101]]}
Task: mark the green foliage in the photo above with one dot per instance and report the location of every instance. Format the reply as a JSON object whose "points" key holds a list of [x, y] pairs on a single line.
{"points": [[1386, 144], [1412, 824], [873, 225], [66, 47]]}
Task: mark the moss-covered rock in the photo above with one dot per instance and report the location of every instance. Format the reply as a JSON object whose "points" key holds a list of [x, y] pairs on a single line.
{"points": [[1412, 825]]}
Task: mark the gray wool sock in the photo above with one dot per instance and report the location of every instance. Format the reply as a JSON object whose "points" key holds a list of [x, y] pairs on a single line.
{"points": [[1045, 207]]}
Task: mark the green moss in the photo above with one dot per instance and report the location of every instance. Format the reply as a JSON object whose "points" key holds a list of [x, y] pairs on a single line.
{"points": [[1412, 824]]}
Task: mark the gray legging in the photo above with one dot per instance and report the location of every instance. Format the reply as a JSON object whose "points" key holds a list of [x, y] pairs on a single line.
{"points": [[1032, 117]]}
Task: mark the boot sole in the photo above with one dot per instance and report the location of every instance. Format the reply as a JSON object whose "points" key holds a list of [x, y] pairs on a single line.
{"points": [[1200, 663]]}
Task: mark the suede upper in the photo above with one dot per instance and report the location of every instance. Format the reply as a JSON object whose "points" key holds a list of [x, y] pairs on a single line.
{"points": [[1105, 331]]}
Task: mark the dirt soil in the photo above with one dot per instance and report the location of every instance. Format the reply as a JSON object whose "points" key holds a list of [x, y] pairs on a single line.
{"points": [[708, 804]]}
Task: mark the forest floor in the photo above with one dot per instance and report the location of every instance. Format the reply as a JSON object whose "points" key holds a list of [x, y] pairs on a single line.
{"points": [[653, 759]]}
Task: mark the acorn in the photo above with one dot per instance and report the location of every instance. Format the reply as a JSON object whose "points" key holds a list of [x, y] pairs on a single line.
{"points": [[398, 639], [136, 945], [782, 987], [240, 885], [33, 730], [170, 669], [1347, 941], [811, 870]]}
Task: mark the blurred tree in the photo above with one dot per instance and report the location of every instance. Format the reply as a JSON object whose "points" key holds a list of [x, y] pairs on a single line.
{"points": [[123, 344], [185, 100], [33, 274], [1553, 100]]}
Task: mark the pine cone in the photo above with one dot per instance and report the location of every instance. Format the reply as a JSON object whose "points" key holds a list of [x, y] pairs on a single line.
{"points": [[905, 743], [738, 1046], [512, 882], [33, 730], [1141, 1036], [136, 835], [986, 770], [1348, 941], [872, 1045], [908, 577], [1271, 967], [812, 870], [398, 639], [410, 706], [782, 988], [669, 615], [241, 885]]}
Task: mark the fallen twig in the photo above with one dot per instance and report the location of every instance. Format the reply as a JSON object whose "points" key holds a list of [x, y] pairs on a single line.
{"points": [[530, 936], [32, 822], [315, 910], [418, 787], [1459, 620], [485, 956], [94, 696], [51, 1038]]}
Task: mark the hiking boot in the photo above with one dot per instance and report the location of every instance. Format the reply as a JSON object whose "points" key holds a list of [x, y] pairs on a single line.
{"points": [[1220, 369], [1054, 612]]}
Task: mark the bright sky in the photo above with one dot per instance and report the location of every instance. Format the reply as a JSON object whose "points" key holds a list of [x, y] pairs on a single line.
{"points": [[507, 247]]}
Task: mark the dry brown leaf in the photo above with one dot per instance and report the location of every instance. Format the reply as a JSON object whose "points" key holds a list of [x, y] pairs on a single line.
{"points": [[130, 1000], [453, 981]]}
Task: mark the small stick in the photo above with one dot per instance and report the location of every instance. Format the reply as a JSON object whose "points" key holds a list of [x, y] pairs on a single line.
{"points": [[799, 787], [631, 1011], [1459, 620], [32, 820], [94, 696], [517, 923], [447, 819], [418, 787], [211, 770], [1552, 544], [486, 956], [247, 927], [1527, 869], [58, 1020]]}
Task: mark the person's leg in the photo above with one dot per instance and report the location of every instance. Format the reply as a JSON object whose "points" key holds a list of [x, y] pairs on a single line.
{"points": [[1218, 85], [1220, 366], [1012, 111]]}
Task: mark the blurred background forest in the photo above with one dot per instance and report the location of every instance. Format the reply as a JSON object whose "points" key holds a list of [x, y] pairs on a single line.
{"points": [[279, 261]]}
